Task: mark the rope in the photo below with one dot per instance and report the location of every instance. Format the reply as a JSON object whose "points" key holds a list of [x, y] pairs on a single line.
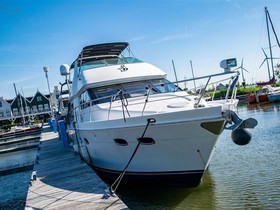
{"points": [[118, 180]]}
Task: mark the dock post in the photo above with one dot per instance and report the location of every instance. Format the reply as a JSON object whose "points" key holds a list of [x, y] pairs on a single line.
{"points": [[54, 125], [50, 122], [63, 134]]}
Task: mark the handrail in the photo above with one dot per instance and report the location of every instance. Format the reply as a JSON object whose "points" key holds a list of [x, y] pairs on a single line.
{"points": [[123, 94], [203, 90], [207, 76], [147, 98], [113, 98]]}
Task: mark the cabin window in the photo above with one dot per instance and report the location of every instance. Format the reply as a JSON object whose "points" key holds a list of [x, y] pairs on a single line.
{"points": [[92, 64], [113, 61], [39, 98], [136, 88], [100, 62], [130, 89], [85, 100], [1, 114], [165, 86], [104, 94]]}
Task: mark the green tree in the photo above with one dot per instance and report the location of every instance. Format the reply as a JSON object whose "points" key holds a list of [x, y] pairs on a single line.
{"points": [[277, 70]]}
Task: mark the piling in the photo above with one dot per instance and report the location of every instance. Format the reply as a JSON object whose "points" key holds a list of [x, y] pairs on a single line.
{"points": [[63, 181]]}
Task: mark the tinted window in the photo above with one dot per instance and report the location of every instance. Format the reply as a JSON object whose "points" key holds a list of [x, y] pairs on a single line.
{"points": [[131, 89]]}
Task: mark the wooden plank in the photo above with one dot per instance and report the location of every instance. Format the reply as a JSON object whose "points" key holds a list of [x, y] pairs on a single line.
{"points": [[65, 182]]}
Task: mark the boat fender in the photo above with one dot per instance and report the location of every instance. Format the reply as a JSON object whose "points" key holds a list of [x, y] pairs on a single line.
{"points": [[241, 136], [34, 176]]}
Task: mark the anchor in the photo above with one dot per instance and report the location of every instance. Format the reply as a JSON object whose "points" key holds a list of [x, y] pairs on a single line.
{"points": [[240, 134]]}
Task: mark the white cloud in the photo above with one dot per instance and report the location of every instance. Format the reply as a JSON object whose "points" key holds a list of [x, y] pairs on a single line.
{"points": [[171, 37]]}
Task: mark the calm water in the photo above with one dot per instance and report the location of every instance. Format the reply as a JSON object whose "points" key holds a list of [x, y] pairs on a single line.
{"points": [[14, 189], [239, 177]]}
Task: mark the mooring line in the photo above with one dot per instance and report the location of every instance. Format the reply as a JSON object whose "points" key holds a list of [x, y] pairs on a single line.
{"points": [[118, 180]]}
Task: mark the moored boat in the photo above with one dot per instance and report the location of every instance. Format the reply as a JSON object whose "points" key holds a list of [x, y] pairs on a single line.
{"points": [[131, 124], [265, 94], [257, 96], [18, 152], [274, 97], [22, 131], [269, 25]]}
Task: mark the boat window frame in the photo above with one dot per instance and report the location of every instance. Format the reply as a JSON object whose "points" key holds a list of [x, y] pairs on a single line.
{"points": [[106, 61], [124, 90]]}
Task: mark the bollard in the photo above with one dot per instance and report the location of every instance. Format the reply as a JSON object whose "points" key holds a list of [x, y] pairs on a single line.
{"points": [[64, 137], [50, 122], [54, 125]]}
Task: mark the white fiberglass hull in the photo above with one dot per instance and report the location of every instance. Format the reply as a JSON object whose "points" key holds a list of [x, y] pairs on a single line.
{"points": [[178, 150]]}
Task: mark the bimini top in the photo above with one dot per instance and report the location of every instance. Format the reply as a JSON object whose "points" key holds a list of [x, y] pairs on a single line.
{"points": [[100, 50]]}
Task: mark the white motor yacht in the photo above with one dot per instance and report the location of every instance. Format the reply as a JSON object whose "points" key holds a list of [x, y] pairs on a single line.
{"points": [[132, 125]]}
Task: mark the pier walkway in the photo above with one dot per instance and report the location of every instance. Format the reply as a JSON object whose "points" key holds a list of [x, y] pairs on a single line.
{"points": [[65, 182]]}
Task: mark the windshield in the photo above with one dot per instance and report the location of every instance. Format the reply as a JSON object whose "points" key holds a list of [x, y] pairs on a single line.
{"points": [[96, 63], [131, 89]]}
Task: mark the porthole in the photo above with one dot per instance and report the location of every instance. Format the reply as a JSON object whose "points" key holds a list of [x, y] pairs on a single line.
{"points": [[146, 141], [121, 142]]}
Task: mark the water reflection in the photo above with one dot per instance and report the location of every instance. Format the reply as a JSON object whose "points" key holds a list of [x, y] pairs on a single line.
{"points": [[160, 197], [247, 177], [265, 107]]}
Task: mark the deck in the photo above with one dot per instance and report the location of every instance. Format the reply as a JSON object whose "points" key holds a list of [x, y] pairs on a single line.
{"points": [[65, 182]]}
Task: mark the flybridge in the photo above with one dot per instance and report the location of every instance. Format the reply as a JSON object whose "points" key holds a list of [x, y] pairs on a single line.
{"points": [[103, 49], [100, 50]]}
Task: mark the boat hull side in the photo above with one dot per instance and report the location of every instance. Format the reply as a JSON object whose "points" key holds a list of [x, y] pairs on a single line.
{"points": [[179, 156], [168, 178]]}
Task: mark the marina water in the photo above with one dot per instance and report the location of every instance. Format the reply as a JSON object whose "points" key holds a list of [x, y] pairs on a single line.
{"points": [[14, 189], [239, 177]]}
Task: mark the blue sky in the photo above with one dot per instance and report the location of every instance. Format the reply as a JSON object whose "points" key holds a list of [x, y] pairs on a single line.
{"points": [[37, 33]]}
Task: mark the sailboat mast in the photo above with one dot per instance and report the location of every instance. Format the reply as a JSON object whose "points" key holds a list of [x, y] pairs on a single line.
{"points": [[269, 42], [19, 104], [26, 108]]}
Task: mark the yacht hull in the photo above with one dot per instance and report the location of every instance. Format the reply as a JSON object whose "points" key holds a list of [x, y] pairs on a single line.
{"points": [[173, 153], [167, 178]]}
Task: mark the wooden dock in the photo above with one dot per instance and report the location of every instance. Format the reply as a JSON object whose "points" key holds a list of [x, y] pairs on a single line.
{"points": [[65, 182]]}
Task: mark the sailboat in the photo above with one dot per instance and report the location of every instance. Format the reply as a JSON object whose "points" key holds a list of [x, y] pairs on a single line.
{"points": [[262, 95], [271, 79]]}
